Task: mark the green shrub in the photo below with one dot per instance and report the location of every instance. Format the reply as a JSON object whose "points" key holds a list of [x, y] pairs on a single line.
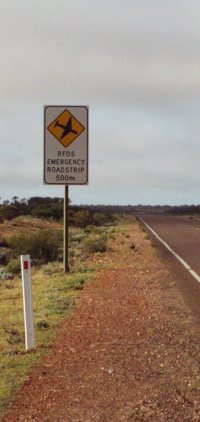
{"points": [[3, 258], [76, 237], [92, 229], [95, 243], [77, 283], [101, 219], [14, 266], [9, 212], [14, 336], [52, 268], [48, 211], [42, 246], [3, 242], [42, 324], [81, 218]]}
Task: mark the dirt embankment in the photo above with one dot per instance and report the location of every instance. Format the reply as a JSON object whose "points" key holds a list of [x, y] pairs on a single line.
{"points": [[129, 353]]}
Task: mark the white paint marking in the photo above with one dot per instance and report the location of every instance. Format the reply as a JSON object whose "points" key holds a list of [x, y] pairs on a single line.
{"points": [[181, 260]]}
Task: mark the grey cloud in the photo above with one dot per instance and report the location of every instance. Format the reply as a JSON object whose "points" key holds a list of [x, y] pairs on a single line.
{"points": [[101, 50], [136, 63]]}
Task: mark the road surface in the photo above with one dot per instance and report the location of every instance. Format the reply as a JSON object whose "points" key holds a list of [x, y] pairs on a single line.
{"points": [[182, 235]]}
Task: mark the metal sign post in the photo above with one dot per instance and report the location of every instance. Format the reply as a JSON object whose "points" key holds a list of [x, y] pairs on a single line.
{"points": [[66, 230], [27, 301], [65, 153]]}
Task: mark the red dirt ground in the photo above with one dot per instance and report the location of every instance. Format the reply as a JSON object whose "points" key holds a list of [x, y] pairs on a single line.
{"points": [[130, 351]]}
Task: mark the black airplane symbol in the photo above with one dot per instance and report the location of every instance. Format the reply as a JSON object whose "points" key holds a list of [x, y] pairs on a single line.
{"points": [[67, 128]]}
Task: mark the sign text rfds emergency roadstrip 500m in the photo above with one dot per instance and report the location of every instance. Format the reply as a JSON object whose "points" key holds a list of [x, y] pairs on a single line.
{"points": [[66, 145]]}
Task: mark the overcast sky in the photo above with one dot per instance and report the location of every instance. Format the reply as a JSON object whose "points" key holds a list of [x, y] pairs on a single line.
{"points": [[136, 64]]}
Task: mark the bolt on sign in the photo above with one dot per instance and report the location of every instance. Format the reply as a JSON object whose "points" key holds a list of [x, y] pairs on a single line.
{"points": [[66, 145]]}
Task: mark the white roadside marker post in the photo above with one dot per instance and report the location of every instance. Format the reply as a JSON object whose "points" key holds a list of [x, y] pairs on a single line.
{"points": [[27, 301]]}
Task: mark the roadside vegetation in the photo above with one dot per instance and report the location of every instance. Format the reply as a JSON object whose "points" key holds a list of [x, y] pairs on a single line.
{"points": [[54, 293], [98, 238], [52, 208]]}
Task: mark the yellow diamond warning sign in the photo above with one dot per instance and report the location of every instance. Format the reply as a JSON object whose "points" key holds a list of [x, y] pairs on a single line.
{"points": [[66, 128]]}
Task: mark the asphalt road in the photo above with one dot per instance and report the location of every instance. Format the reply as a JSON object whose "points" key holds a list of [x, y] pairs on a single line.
{"points": [[183, 236]]}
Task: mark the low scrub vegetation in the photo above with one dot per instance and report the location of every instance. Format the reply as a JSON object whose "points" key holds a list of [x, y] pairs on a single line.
{"points": [[52, 208], [95, 243], [42, 246], [14, 266], [54, 293]]}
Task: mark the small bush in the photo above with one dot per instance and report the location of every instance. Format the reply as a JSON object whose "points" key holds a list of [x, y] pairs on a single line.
{"points": [[76, 283], [52, 268], [8, 283], [92, 229], [9, 212], [72, 253], [101, 219], [59, 235], [68, 302], [42, 324], [48, 211], [14, 336], [95, 243], [14, 266], [76, 237], [3, 258], [42, 246], [3, 243], [79, 282], [81, 218]]}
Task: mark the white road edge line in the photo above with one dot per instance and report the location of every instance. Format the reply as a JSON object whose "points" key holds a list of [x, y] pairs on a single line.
{"points": [[181, 260]]}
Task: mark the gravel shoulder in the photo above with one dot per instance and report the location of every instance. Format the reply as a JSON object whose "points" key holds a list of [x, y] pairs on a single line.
{"points": [[130, 351]]}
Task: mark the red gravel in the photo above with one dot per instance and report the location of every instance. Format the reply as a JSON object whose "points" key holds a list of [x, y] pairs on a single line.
{"points": [[130, 351]]}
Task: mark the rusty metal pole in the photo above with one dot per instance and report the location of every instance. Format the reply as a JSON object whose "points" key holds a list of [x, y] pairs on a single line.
{"points": [[66, 232]]}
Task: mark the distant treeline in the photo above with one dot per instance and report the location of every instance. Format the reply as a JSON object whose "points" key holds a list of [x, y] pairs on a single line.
{"points": [[47, 207], [52, 208], [145, 209]]}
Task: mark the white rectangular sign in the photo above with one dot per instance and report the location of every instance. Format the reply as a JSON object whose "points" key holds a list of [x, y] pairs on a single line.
{"points": [[66, 145]]}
